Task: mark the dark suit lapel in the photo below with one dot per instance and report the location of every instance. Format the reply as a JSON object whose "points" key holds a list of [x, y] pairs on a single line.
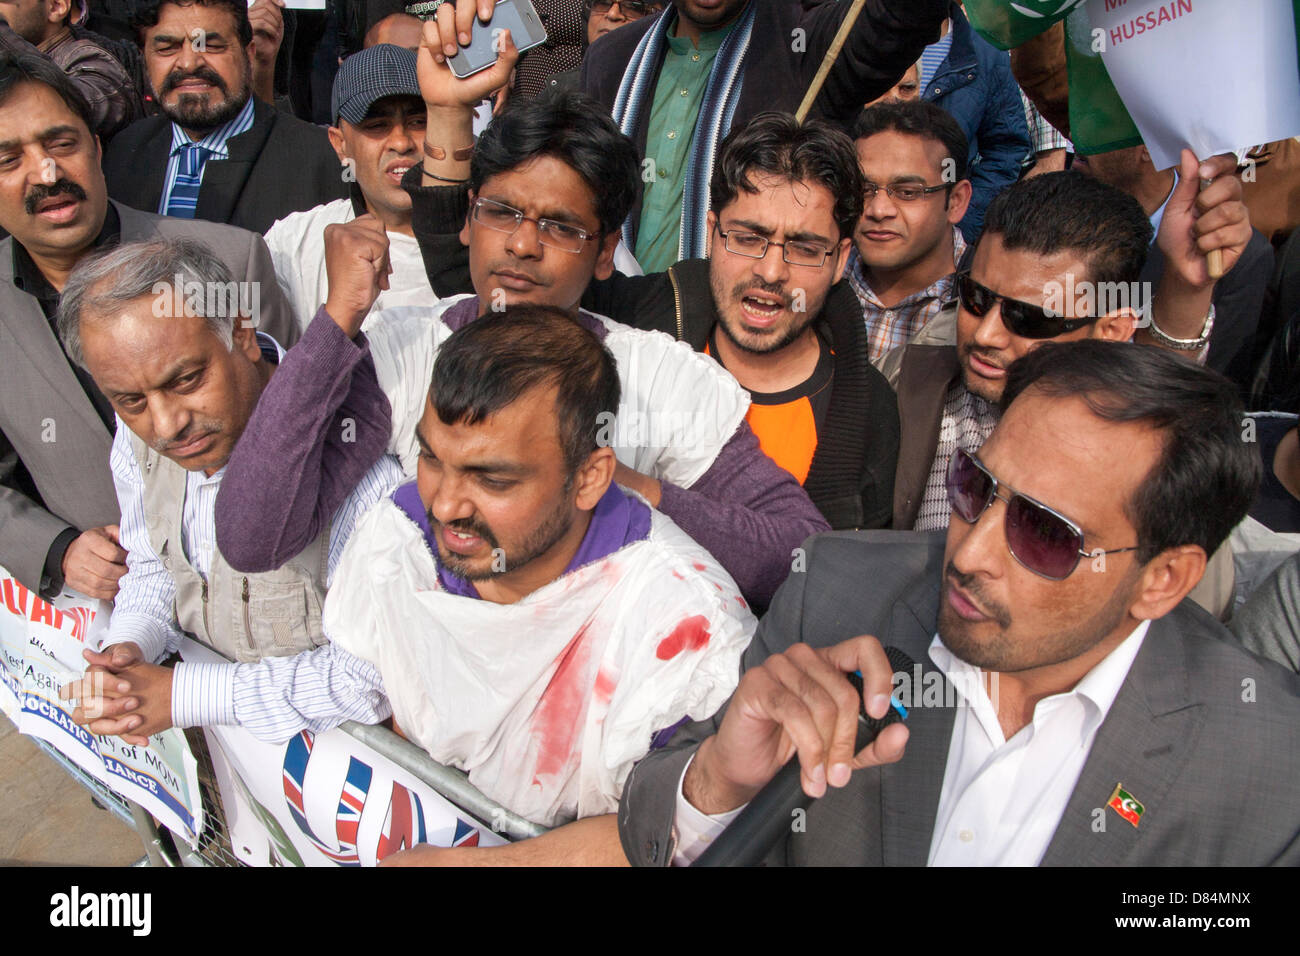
{"points": [[155, 152], [1143, 743], [224, 179], [924, 377], [909, 789]]}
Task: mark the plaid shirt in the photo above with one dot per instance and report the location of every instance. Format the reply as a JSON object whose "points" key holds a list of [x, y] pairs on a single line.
{"points": [[967, 423], [892, 326], [1043, 136]]}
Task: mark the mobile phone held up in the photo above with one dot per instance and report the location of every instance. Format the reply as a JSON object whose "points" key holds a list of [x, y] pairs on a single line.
{"points": [[517, 16]]}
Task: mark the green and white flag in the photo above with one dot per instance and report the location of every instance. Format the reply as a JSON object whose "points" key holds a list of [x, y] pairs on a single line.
{"points": [[1157, 52]]}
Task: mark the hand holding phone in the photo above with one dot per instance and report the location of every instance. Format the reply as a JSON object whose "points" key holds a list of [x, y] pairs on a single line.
{"points": [[440, 88]]}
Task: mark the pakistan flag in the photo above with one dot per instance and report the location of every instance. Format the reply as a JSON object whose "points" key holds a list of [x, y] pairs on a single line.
{"points": [[1098, 120]]}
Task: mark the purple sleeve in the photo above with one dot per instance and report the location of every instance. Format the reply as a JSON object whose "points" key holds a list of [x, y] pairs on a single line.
{"points": [[749, 513], [320, 424]]}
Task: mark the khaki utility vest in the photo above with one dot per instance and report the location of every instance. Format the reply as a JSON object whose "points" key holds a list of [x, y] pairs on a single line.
{"points": [[243, 616]]}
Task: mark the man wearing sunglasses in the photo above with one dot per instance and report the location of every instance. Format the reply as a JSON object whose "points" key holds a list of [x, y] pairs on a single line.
{"points": [[1068, 705], [1059, 259]]}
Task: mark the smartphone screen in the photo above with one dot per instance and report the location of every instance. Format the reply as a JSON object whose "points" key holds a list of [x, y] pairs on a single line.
{"points": [[517, 16]]}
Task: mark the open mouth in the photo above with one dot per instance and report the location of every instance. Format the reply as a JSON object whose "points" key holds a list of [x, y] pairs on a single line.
{"points": [[397, 171], [458, 542], [762, 307]]}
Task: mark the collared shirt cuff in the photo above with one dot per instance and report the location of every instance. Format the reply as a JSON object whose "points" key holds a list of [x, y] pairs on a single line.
{"points": [[695, 829], [146, 632], [203, 694]]}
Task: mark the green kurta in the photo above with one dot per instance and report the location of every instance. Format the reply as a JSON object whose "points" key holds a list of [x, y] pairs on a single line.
{"points": [[678, 95]]}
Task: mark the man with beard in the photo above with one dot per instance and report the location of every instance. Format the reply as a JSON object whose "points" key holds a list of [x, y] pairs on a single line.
{"points": [[766, 303], [58, 512], [1068, 705], [217, 152], [525, 619], [550, 181]]}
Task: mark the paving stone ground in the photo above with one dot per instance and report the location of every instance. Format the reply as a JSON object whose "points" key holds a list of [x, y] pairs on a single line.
{"points": [[48, 819]]}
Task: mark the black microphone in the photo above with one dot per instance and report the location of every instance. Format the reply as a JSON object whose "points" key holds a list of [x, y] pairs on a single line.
{"points": [[767, 818]]}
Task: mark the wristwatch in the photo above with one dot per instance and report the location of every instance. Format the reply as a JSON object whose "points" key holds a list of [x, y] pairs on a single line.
{"points": [[1184, 345]]}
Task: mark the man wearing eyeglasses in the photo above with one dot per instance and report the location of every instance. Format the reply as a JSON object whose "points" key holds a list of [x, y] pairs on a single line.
{"points": [[550, 181], [1068, 705], [907, 245], [1059, 259], [766, 304]]}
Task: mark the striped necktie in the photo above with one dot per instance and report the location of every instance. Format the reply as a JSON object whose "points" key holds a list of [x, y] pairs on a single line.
{"points": [[184, 196]]}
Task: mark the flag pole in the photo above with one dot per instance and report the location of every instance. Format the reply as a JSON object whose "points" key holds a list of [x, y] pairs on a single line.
{"points": [[828, 61]]}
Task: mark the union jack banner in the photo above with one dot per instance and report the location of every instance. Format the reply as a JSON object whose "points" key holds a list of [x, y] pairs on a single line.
{"points": [[352, 800]]}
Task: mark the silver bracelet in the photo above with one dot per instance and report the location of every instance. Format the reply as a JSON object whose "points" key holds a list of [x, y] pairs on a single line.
{"points": [[1183, 345], [426, 10]]}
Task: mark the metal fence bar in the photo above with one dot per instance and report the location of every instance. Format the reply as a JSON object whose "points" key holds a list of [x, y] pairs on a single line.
{"points": [[448, 781]]}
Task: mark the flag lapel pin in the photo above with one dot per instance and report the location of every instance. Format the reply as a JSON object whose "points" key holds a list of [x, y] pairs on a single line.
{"points": [[1126, 805]]}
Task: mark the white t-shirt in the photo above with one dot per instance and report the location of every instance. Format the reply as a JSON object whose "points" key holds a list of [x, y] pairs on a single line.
{"points": [[297, 244], [678, 406], [548, 702]]}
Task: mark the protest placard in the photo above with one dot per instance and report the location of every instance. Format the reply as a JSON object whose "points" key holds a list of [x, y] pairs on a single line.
{"points": [[40, 646]]}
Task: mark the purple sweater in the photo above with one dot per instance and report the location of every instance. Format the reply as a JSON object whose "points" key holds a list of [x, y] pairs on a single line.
{"points": [[293, 467]]}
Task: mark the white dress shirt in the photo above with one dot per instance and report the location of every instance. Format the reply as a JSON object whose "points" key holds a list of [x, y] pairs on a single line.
{"points": [[1001, 799]]}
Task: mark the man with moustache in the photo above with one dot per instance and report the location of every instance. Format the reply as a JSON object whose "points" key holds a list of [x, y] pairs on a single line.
{"points": [[58, 510], [1084, 711], [216, 152]]}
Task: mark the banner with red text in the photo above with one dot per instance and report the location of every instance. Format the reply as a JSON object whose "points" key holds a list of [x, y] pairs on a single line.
{"points": [[41, 644]]}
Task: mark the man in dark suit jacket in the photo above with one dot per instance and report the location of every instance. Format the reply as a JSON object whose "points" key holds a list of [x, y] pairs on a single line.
{"points": [[258, 164], [58, 507], [1155, 739]]}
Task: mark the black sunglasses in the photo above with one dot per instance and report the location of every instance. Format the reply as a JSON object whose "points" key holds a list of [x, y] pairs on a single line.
{"points": [[1020, 318], [631, 8], [1042, 540]]}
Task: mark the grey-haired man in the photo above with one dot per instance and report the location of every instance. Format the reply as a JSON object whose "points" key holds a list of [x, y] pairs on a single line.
{"points": [[154, 324]]}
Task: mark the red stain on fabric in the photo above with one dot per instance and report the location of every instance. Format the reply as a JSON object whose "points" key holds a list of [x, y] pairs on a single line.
{"points": [[604, 688], [561, 708], [741, 601], [697, 566], [691, 634], [676, 574]]}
